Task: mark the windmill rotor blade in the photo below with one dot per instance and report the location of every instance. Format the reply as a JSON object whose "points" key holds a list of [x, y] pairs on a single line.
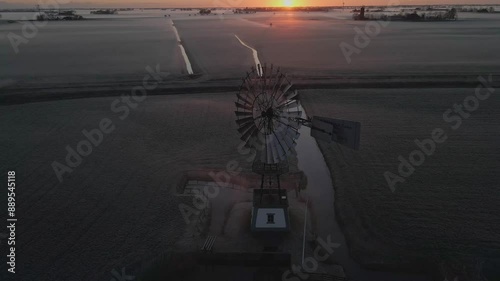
{"points": [[290, 105], [247, 102], [292, 133], [287, 101], [278, 90], [244, 121], [274, 149], [285, 127], [292, 94], [292, 114], [280, 148], [246, 136], [242, 106], [276, 82], [286, 133], [287, 88], [246, 127], [291, 122], [252, 141], [282, 96], [243, 113], [248, 84], [289, 141], [265, 76], [264, 152], [269, 148]]}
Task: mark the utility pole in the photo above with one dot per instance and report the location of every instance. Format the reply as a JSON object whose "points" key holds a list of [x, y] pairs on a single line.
{"points": [[304, 240]]}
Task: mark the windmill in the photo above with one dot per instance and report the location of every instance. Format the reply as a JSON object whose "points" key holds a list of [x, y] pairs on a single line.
{"points": [[269, 117]]}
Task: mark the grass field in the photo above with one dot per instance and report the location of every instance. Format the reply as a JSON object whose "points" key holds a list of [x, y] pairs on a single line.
{"points": [[446, 208]]}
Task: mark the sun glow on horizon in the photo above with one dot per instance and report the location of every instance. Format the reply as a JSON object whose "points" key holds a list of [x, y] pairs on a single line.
{"points": [[288, 3]]}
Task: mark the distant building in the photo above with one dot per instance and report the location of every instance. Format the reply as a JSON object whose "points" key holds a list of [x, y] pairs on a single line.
{"points": [[205, 12], [105, 12]]}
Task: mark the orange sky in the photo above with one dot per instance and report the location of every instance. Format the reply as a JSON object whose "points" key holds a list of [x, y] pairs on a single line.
{"points": [[234, 3]]}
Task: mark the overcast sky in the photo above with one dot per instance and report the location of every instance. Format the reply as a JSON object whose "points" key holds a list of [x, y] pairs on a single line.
{"points": [[229, 3]]}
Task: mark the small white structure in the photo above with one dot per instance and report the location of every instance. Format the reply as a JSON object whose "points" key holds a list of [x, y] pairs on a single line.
{"points": [[270, 211]]}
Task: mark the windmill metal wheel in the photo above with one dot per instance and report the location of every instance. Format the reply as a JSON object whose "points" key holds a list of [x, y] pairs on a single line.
{"points": [[266, 112]]}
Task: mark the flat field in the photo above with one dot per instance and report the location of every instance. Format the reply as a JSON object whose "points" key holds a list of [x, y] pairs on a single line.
{"points": [[111, 51], [447, 208]]}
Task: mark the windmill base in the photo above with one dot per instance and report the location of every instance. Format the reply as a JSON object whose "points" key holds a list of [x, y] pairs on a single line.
{"points": [[270, 218]]}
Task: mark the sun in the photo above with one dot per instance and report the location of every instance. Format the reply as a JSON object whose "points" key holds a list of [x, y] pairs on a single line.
{"points": [[288, 3]]}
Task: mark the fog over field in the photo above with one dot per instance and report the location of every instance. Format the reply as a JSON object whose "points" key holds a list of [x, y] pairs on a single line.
{"points": [[120, 206], [116, 48]]}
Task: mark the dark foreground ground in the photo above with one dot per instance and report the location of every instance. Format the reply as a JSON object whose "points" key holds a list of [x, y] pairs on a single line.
{"points": [[117, 206]]}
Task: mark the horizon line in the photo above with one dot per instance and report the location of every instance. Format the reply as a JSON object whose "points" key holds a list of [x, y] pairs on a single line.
{"points": [[284, 7]]}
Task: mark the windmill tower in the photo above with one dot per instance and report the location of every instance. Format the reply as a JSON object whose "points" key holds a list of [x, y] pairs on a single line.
{"points": [[269, 117]]}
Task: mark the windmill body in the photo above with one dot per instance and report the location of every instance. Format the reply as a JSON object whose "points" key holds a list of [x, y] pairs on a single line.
{"points": [[269, 117]]}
